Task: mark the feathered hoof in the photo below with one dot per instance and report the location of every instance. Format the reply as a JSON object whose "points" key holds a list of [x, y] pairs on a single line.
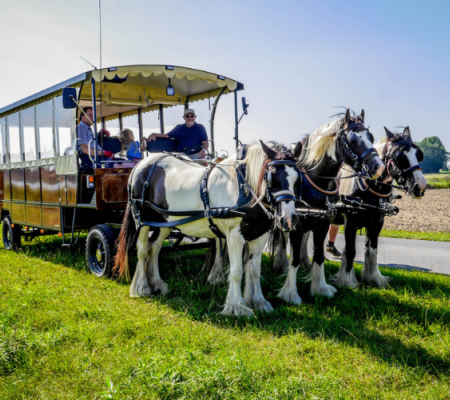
{"points": [[142, 291], [262, 305], [345, 280], [290, 297], [214, 279], [323, 290], [238, 310], [379, 280], [160, 287], [281, 267]]}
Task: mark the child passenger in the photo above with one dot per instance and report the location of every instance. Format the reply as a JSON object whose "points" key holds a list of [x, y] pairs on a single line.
{"points": [[129, 150]]}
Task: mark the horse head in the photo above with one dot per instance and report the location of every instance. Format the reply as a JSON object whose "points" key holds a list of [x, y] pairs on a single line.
{"points": [[280, 181], [402, 157], [355, 146]]}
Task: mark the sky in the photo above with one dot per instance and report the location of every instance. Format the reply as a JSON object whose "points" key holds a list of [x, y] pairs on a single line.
{"points": [[297, 59]]}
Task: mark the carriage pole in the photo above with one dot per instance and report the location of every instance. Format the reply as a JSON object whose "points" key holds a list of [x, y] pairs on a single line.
{"points": [[94, 108]]}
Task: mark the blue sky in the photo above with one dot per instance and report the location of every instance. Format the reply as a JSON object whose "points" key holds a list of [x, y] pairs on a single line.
{"points": [[297, 59]]}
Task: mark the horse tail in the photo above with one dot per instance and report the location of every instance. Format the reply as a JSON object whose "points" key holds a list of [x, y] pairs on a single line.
{"points": [[125, 240]]}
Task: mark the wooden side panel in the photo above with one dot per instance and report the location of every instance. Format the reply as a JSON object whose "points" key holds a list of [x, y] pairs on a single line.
{"points": [[18, 213], [51, 216], [7, 184], [2, 192], [50, 185], [71, 184], [62, 190], [33, 184], [18, 184], [33, 213], [111, 188]]}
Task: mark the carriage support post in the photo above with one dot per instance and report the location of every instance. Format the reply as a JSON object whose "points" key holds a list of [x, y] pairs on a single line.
{"points": [[213, 116], [236, 129], [94, 109]]}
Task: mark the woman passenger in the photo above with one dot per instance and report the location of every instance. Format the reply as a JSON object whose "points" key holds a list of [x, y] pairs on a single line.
{"points": [[129, 150]]}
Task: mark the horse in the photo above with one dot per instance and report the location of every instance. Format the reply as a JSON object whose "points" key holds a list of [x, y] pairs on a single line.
{"points": [[237, 208], [345, 140], [402, 158]]}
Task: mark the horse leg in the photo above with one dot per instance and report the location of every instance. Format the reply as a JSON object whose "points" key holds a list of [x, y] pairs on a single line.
{"points": [[289, 290], [305, 262], [234, 303], [253, 295], [281, 262], [139, 285], [317, 274], [216, 275], [156, 241], [346, 274], [371, 273]]}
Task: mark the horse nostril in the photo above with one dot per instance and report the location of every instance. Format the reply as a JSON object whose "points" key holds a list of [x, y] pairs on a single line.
{"points": [[376, 167]]}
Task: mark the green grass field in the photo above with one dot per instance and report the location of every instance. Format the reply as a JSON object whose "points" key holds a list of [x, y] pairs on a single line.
{"points": [[438, 181], [398, 234], [65, 334]]}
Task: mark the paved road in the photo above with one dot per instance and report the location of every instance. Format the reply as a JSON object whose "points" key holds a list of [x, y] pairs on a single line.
{"points": [[420, 255]]}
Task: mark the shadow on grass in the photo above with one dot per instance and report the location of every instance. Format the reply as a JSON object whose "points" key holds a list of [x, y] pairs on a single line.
{"points": [[367, 318]]}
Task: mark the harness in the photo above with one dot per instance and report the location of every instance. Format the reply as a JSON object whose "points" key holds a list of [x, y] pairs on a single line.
{"points": [[389, 158]]}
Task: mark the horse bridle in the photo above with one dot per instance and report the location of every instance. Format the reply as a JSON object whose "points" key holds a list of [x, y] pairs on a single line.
{"points": [[401, 176], [282, 195], [344, 145]]}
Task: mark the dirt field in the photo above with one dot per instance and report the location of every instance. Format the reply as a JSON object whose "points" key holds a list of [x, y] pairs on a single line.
{"points": [[431, 214]]}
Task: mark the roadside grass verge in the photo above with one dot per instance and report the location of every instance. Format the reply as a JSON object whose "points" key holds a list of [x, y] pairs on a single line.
{"points": [[65, 334], [399, 234], [438, 181]]}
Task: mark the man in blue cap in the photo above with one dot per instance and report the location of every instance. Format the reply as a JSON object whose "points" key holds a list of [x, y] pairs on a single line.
{"points": [[191, 137]]}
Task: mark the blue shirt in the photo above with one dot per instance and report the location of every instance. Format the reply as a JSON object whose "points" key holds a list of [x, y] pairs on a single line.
{"points": [[85, 135], [189, 140], [133, 152]]}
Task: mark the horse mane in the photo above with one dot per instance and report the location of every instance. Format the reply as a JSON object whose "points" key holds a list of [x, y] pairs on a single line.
{"points": [[257, 161], [320, 143]]}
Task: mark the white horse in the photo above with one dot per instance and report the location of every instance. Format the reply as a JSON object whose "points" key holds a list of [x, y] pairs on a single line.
{"points": [[174, 184]]}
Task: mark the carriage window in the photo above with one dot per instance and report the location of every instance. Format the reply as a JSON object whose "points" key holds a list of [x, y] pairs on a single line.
{"points": [[14, 138], [150, 122], [2, 140], [113, 127], [132, 123], [29, 134], [44, 116], [173, 116], [64, 127]]}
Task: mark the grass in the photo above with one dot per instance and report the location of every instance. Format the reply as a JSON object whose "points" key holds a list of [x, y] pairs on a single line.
{"points": [[438, 181], [65, 334], [399, 234]]}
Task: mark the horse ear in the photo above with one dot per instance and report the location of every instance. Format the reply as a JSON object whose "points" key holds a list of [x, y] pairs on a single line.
{"points": [[407, 131], [347, 116], [389, 134], [269, 152], [362, 115], [298, 149]]}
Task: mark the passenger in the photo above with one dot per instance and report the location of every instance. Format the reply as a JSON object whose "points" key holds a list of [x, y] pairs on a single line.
{"points": [[191, 137], [85, 134], [130, 149]]}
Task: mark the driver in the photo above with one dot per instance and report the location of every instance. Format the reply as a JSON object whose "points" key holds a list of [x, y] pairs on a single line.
{"points": [[191, 137]]}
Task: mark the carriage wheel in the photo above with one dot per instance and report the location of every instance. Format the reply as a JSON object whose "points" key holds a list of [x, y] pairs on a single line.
{"points": [[11, 236], [100, 246]]}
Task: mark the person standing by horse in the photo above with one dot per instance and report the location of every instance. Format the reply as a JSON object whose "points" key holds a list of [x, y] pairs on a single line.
{"points": [[191, 137]]}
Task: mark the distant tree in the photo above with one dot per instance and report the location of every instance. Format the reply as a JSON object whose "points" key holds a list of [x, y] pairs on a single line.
{"points": [[434, 154]]}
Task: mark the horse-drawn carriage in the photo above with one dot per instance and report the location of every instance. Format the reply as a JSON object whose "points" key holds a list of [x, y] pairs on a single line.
{"points": [[45, 185]]}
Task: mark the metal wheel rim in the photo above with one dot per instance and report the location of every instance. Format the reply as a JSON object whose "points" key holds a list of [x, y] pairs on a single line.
{"points": [[96, 249], [7, 236]]}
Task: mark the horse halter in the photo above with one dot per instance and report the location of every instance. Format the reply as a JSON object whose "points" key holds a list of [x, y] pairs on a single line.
{"points": [[281, 195], [390, 160], [358, 160]]}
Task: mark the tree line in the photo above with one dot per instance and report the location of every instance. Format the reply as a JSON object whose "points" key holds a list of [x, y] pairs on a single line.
{"points": [[435, 156]]}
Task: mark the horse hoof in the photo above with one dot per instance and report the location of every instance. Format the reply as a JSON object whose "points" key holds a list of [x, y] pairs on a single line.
{"points": [[290, 297], [325, 290], [143, 291], [238, 310], [214, 280], [262, 305], [160, 287]]}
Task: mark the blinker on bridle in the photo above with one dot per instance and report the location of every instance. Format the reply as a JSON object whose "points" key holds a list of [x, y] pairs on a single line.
{"points": [[282, 195], [390, 158]]}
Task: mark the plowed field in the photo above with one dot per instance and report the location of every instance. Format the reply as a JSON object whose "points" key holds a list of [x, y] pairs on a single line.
{"points": [[430, 214]]}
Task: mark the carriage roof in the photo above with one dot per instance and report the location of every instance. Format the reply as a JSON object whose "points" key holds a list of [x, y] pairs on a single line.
{"points": [[129, 88]]}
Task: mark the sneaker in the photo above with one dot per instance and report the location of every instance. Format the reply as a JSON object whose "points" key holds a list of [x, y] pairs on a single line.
{"points": [[334, 251]]}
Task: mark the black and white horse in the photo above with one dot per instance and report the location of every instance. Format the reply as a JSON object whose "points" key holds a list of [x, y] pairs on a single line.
{"points": [[345, 140], [174, 184], [402, 158]]}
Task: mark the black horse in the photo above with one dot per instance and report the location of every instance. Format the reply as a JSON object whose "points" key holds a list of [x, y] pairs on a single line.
{"points": [[347, 141], [402, 158]]}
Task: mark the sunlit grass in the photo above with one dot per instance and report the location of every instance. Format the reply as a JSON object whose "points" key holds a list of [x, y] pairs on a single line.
{"points": [[65, 334], [399, 234]]}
